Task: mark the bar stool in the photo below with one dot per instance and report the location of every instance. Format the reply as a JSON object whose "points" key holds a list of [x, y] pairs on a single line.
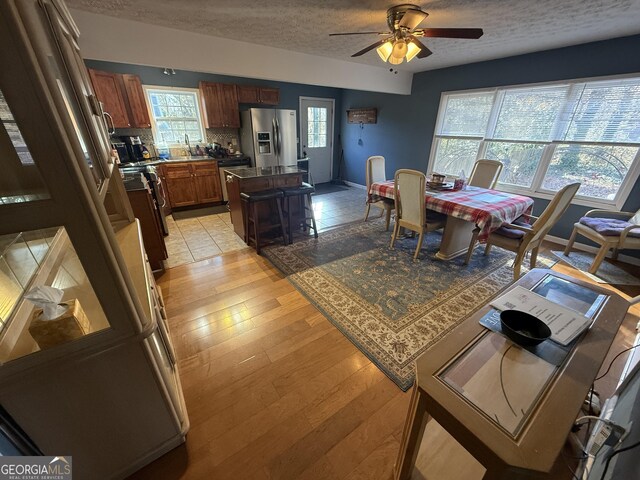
{"points": [[250, 209], [300, 192]]}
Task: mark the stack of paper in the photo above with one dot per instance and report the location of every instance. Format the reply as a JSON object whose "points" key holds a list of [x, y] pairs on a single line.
{"points": [[565, 324]]}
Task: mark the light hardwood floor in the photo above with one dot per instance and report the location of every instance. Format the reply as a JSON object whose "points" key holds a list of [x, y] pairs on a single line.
{"points": [[273, 390]]}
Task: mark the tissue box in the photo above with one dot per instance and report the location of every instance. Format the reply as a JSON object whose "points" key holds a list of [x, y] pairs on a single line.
{"points": [[70, 325]]}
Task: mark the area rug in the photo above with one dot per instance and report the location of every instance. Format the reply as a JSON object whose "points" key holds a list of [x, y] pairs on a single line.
{"points": [[607, 272], [390, 306]]}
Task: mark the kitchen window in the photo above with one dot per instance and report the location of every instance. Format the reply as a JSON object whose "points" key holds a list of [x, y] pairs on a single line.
{"points": [[546, 136], [175, 113]]}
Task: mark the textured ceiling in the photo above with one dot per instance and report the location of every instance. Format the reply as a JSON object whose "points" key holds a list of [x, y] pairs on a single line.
{"points": [[511, 27]]}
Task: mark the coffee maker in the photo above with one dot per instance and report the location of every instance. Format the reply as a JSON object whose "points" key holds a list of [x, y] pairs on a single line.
{"points": [[134, 148]]}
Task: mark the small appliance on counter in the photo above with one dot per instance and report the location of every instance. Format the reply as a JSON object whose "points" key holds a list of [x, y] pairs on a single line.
{"points": [[123, 153], [135, 148]]}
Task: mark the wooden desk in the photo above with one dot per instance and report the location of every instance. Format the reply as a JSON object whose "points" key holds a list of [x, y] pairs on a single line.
{"points": [[528, 449]]}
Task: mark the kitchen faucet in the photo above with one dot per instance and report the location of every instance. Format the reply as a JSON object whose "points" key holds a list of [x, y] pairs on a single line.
{"points": [[186, 140]]}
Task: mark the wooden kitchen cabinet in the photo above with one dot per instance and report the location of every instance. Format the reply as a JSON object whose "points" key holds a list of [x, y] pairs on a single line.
{"points": [[192, 183], [252, 94], [110, 91], [122, 97], [138, 112], [220, 105]]}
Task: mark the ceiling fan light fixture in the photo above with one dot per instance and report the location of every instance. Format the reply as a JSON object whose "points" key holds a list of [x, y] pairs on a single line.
{"points": [[384, 50], [412, 51], [399, 50], [395, 61]]}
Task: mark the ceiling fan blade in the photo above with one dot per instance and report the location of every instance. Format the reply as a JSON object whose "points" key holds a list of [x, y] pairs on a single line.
{"points": [[369, 48], [359, 33], [450, 32], [424, 51], [412, 18]]}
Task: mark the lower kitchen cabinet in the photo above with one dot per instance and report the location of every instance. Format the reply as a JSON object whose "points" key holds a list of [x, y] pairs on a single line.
{"points": [[192, 183], [146, 212]]}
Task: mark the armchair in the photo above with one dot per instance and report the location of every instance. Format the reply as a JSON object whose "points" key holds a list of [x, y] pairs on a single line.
{"points": [[610, 230]]}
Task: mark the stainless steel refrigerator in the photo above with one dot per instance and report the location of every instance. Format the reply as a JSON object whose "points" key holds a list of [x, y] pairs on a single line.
{"points": [[268, 136]]}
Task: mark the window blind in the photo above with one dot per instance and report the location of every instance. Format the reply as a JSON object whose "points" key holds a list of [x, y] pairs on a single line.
{"points": [[467, 114]]}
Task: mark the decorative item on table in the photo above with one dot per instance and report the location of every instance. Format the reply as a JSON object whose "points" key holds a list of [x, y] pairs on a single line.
{"points": [[461, 182], [437, 178], [55, 322], [523, 328]]}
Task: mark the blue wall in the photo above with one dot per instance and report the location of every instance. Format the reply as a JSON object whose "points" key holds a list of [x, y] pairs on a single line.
{"points": [[405, 127], [289, 92]]}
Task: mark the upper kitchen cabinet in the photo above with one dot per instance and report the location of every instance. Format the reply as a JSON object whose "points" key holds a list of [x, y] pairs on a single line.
{"points": [[122, 97], [220, 105], [138, 112], [265, 95], [110, 92]]}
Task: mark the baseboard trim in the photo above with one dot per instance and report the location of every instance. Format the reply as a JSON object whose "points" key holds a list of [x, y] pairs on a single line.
{"points": [[355, 185], [588, 248]]}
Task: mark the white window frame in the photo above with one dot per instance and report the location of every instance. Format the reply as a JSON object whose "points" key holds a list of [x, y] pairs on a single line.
{"points": [[154, 125], [536, 189]]}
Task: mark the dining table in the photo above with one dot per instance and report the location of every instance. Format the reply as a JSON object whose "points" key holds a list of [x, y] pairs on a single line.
{"points": [[466, 209]]}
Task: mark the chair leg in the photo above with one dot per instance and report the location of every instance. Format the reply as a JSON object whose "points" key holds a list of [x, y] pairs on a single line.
{"points": [[313, 215], [419, 246], [284, 233], [472, 245], [289, 218], [572, 239], [387, 219], [394, 234], [366, 213], [599, 258], [487, 249], [614, 255], [534, 257], [517, 264], [245, 211]]}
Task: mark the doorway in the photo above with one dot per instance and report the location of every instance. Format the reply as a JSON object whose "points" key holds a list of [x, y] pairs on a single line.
{"points": [[316, 135]]}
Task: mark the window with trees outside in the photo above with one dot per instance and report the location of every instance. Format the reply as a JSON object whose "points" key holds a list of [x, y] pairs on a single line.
{"points": [[175, 113], [546, 136]]}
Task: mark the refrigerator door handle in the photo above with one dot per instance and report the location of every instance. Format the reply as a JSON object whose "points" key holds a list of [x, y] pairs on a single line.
{"points": [[274, 132], [279, 140]]}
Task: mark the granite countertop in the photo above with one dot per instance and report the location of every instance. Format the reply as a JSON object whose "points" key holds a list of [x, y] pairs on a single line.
{"points": [[256, 172], [160, 161]]}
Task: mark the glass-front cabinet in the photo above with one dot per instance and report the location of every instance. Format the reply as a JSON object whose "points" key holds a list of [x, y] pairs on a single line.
{"points": [[85, 349]]}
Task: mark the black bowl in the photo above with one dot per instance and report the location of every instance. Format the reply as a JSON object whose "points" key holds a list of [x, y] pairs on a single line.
{"points": [[523, 328]]}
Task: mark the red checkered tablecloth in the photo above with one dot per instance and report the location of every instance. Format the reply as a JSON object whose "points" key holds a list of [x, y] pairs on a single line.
{"points": [[488, 209]]}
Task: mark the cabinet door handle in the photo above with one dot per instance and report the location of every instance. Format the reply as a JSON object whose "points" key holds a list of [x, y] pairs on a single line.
{"points": [[110, 130]]}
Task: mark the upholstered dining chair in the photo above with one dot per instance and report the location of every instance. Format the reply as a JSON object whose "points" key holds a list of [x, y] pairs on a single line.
{"points": [[610, 230], [485, 173], [411, 210], [376, 173], [520, 236]]}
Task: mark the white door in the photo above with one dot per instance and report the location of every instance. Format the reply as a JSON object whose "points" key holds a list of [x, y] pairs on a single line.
{"points": [[316, 135]]}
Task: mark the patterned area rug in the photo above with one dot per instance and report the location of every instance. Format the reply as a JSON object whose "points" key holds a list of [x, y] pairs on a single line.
{"points": [[390, 306], [607, 272]]}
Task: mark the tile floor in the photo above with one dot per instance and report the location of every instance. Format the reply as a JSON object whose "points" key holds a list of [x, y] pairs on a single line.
{"points": [[200, 237]]}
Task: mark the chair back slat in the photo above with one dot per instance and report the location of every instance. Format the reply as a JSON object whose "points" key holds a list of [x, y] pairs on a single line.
{"points": [[485, 173], [375, 170], [409, 192], [556, 208]]}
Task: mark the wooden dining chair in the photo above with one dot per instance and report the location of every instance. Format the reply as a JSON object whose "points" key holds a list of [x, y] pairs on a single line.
{"points": [[411, 210], [520, 236], [610, 230], [485, 173], [376, 173]]}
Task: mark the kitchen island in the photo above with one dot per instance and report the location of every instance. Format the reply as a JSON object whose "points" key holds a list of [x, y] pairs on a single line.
{"points": [[255, 179]]}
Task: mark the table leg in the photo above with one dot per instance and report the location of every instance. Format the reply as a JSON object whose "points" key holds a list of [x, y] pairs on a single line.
{"points": [[415, 423], [455, 238]]}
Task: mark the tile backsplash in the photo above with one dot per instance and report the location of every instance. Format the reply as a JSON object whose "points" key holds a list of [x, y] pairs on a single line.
{"points": [[220, 135]]}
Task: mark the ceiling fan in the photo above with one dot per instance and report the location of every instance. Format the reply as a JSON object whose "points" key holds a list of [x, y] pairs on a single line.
{"points": [[402, 39]]}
